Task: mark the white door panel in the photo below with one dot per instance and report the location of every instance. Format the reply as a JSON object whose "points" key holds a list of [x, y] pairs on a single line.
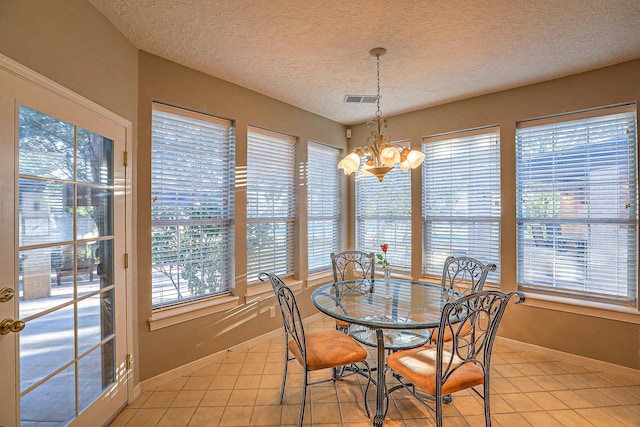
{"points": [[62, 192]]}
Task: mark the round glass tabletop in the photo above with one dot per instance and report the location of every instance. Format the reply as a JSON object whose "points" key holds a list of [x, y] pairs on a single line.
{"points": [[405, 304]]}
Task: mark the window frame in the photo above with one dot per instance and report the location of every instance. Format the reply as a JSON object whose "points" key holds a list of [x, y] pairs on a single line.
{"points": [[323, 186], [483, 201], [222, 184], [280, 178], [564, 161]]}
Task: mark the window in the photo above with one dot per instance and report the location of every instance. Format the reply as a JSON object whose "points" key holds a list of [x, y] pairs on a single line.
{"points": [[271, 173], [577, 204], [323, 196], [192, 190], [383, 215], [461, 198]]}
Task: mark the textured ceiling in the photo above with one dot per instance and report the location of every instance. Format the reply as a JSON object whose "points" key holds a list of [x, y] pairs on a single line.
{"points": [[311, 53]]}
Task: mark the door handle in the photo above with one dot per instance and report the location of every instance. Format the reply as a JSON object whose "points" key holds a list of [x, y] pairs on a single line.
{"points": [[10, 325], [6, 294]]}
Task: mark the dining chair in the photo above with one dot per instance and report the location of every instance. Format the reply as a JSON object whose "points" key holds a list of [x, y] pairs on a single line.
{"points": [[315, 350], [465, 275], [432, 371], [352, 265]]}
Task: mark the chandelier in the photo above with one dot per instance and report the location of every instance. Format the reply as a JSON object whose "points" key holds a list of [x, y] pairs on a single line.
{"points": [[379, 154]]}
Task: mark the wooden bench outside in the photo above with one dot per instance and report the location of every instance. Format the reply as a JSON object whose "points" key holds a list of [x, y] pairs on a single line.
{"points": [[84, 267]]}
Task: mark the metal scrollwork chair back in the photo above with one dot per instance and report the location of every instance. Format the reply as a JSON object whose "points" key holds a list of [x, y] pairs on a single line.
{"points": [[315, 350], [353, 265], [464, 362], [465, 275]]}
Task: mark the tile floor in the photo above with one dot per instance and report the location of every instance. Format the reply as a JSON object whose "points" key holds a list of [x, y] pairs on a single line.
{"points": [[242, 389]]}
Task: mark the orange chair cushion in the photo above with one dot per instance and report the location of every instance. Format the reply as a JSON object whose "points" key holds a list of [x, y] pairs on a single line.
{"points": [[342, 323], [329, 349], [448, 335], [418, 366]]}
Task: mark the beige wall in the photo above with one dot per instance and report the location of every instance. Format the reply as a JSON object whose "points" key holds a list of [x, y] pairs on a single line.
{"points": [[586, 335], [71, 43]]}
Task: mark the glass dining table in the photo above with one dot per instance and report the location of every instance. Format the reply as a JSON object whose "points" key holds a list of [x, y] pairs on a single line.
{"points": [[394, 317]]}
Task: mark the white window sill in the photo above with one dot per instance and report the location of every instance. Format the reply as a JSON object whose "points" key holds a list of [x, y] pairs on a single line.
{"points": [[570, 305], [261, 291], [587, 308], [173, 315]]}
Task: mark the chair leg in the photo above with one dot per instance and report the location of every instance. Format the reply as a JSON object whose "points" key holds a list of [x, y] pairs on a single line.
{"points": [[284, 372], [438, 409], [366, 390], [487, 406], [304, 396]]}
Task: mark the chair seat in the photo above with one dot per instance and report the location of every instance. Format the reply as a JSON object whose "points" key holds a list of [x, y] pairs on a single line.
{"points": [[329, 349], [342, 323], [418, 366]]}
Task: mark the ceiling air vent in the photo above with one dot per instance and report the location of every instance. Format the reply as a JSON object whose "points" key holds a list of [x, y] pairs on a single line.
{"points": [[360, 99]]}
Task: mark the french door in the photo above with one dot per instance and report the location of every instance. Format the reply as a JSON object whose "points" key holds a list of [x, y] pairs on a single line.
{"points": [[63, 315]]}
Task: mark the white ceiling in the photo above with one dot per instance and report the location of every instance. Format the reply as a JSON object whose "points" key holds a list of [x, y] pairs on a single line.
{"points": [[311, 53]]}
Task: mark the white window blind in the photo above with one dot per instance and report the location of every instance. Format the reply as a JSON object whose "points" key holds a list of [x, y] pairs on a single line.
{"points": [[383, 215], [323, 205], [192, 190], [577, 210], [461, 198], [271, 173]]}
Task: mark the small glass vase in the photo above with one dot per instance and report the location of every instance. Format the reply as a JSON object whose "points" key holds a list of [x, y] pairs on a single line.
{"points": [[387, 283]]}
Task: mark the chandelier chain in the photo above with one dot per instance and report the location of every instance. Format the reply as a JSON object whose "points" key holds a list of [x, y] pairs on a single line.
{"points": [[378, 112]]}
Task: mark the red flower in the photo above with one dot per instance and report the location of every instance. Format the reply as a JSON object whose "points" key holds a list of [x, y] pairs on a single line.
{"points": [[382, 259]]}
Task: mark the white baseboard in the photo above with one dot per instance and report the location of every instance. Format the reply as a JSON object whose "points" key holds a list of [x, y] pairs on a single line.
{"points": [[572, 358]]}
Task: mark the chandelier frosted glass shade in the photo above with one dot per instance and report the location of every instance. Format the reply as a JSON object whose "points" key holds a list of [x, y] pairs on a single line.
{"points": [[390, 156], [350, 164], [412, 160]]}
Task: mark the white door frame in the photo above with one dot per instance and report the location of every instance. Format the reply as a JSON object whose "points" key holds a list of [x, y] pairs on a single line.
{"points": [[32, 78]]}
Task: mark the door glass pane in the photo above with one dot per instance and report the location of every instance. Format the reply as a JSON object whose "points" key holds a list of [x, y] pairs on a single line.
{"points": [[45, 278], [94, 206], [95, 322], [51, 403], [95, 158], [94, 266], [46, 145], [46, 344], [91, 380], [46, 212]]}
